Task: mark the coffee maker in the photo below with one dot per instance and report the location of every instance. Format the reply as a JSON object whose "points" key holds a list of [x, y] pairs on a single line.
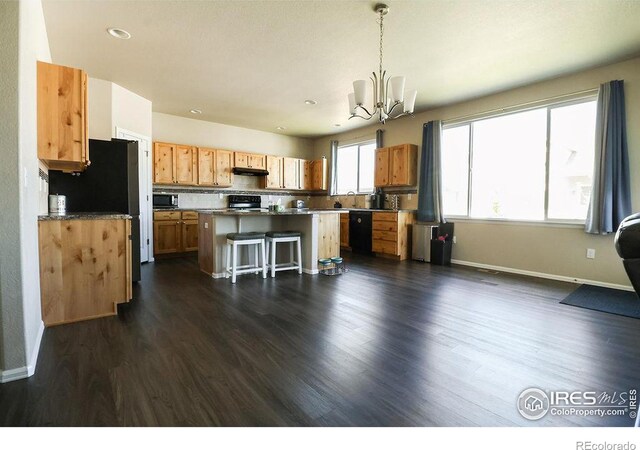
{"points": [[377, 200]]}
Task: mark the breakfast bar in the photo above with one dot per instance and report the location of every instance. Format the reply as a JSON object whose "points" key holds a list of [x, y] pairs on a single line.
{"points": [[320, 233]]}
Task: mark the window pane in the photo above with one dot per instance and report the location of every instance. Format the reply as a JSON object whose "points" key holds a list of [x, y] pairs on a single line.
{"points": [[347, 169], [455, 170], [367, 160], [508, 169], [572, 137]]}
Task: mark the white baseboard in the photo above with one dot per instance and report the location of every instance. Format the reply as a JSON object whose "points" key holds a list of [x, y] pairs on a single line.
{"points": [[548, 276], [31, 368], [25, 371]]}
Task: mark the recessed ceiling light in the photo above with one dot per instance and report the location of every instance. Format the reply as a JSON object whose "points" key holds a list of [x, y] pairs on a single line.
{"points": [[336, 124], [310, 102], [280, 128], [195, 111], [119, 33]]}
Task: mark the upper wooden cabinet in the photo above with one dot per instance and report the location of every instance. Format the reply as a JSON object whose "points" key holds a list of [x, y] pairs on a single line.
{"points": [[275, 167], [306, 180], [175, 164], [62, 117], [396, 166], [250, 160], [319, 175], [215, 167], [291, 173]]}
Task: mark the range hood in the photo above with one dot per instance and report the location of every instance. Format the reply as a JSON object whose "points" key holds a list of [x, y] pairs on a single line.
{"points": [[248, 171]]}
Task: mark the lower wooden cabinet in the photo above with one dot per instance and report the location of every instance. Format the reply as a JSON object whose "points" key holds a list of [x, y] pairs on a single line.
{"points": [[344, 230], [175, 232], [391, 233]]}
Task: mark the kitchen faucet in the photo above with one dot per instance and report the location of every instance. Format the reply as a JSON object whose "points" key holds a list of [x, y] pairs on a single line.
{"points": [[354, 197]]}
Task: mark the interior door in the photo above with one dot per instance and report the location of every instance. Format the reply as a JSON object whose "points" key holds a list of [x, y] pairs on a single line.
{"points": [[144, 177]]}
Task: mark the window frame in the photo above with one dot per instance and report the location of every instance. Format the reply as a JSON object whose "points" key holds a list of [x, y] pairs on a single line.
{"points": [[549, 105], [359, 144]]}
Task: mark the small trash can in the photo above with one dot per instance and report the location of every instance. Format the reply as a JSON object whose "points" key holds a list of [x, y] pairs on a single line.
{"points": [[441, 252]]}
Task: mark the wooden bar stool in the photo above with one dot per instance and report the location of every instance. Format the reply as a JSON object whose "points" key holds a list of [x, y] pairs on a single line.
{"points": [[273, 237], [235, 240]]}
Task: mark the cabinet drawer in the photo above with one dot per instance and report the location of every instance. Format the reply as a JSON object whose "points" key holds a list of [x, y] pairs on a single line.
{"points": [[390, 216], [166, 215], [391, 236], [189, 215], [390, 248], [384, 226]]}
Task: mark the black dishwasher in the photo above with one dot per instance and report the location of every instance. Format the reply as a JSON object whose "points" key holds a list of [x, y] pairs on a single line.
{"points": [[360, 231]]}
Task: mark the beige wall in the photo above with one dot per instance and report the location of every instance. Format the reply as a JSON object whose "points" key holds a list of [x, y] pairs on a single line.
{"points": [[181, 130], [544, 249], [99, 109]]}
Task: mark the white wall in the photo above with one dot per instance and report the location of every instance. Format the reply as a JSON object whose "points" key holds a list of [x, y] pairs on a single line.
{"points": [[182, 130], [543, 249], [111, 106], [99, 93], [24, 41]]}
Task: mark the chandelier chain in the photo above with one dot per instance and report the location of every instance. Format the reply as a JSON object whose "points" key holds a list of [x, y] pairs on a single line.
{"points": [[381, 35]]}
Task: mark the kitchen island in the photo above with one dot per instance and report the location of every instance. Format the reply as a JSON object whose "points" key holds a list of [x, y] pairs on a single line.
{"points": [[320, 234]]}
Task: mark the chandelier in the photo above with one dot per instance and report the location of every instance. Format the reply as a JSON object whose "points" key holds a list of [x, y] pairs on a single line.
{"points": [[390, 101]]}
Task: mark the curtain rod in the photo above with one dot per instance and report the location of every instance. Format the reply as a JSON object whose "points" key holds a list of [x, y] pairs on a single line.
{"points": [[576, 94]]}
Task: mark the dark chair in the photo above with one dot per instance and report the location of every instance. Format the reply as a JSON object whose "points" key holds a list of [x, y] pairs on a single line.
{"points": [[628, 247]]}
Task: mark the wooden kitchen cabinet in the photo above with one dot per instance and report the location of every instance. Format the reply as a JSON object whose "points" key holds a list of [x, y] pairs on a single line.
{"points": [[250, 160], [344, 230], [306, 180], [85, 268], [62, 117], [391, 233], [275, 167], [291, 173], [396, 166], [175, 232], [319, 175], [215, 167], [175, 164]]}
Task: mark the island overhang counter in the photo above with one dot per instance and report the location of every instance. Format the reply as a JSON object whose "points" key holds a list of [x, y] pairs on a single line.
{"points": [[320, 234]]}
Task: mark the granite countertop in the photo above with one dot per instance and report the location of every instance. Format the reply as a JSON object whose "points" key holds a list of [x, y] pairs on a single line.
{"points": [[86, 216], [286, 212]]}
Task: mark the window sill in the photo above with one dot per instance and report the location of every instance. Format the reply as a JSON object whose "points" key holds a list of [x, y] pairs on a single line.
{"points": [[525, 223]]}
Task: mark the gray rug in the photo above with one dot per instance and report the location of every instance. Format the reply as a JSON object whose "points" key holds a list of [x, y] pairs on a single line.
{"points": [[612, 301]]}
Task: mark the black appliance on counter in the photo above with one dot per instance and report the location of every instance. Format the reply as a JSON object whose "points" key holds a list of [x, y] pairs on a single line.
{"points": [[377, 200], [245, 202], [360, 223], [165, 201], [109, 184], [627, 242]]}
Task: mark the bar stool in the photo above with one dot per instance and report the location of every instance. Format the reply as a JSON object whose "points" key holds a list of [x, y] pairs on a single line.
{"points": [[235, 240], [273, 237]]}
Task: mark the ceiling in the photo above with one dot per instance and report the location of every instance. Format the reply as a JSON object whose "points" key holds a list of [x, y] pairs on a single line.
{"points": [[254, 63]]}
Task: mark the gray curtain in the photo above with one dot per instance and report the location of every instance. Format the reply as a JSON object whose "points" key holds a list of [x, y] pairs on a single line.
{"points": [[611, 193], [333, 183], [379, 140], [430, 184]]}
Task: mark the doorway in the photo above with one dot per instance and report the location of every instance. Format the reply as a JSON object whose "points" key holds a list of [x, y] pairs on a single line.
{"points": [[146, 208]]}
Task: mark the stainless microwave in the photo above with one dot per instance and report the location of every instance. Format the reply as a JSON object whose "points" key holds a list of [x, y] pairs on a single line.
{"points": [[165, 201]]}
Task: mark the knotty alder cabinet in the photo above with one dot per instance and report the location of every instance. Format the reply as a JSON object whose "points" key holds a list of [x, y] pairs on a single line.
{"points": [[62, 117], [396, 166], [250, 160], [175, 232], [85, 268], [215, 167], [391, 233], [295, 173], [344, 230], [175, 164]]}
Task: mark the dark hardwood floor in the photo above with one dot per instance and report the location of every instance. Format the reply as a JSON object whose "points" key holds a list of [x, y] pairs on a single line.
{"points": [[387, 344]]}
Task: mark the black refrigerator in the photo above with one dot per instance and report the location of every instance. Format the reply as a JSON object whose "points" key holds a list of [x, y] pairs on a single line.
{"points": [[109, 184]]}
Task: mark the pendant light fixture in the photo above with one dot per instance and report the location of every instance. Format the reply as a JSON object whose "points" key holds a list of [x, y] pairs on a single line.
{"points": [[390, 100]]}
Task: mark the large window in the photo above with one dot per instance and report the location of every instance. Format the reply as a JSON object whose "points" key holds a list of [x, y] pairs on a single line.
{"points": [[529, 165], [355, 166]]}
